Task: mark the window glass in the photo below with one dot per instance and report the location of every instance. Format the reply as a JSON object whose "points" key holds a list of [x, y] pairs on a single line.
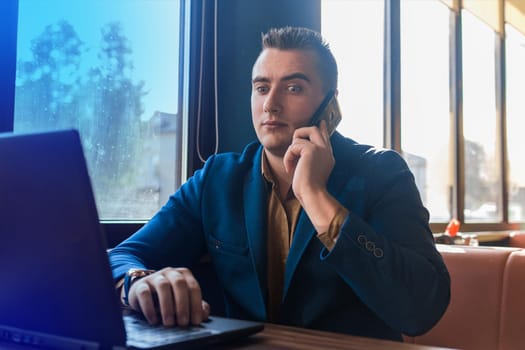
{"points": [[425, 116], [482, 161], [354, 30], [515, 78], [109, 69]]}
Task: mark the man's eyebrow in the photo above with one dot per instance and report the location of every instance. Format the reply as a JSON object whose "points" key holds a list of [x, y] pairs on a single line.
{"points": [[302, 76], [259, 79], [296, 76]]}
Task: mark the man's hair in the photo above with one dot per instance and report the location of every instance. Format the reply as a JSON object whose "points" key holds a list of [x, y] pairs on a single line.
{"points": [[298, 38]]}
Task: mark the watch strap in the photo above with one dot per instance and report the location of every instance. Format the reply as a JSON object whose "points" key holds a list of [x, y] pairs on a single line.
{"points": [[132, 276]]}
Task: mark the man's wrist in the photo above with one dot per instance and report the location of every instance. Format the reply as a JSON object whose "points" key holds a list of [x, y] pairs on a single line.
{"points": [[321, 210], [129, 278], [330, 236]]}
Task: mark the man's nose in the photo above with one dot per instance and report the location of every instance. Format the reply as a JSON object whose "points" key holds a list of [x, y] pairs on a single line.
{"points": [[272, 103]]}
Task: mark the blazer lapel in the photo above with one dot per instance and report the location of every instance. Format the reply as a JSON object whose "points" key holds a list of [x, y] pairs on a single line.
{"points": [[305, 231], [255, 218], [302, 236]]}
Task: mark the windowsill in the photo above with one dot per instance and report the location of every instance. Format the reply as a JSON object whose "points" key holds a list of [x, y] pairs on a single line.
{"points": [[487, 238]]}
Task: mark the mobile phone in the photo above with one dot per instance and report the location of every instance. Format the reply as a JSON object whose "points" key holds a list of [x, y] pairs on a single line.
{"points": [[328, 111]]}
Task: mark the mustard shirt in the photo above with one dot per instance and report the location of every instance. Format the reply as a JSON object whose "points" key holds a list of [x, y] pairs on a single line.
{"points": [[283, 214]]}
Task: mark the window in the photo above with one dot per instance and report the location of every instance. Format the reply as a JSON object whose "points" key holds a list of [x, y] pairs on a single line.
{"points": [[482, 154], [425, 116], [439, 41], [354, 30], [110, 69], [515, 78]]}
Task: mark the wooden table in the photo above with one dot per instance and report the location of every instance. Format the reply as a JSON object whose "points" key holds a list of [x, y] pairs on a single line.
{"points": [[276, 337], [290, 338]]}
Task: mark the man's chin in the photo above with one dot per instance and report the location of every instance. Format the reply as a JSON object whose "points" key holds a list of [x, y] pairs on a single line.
{"points": [[275, 151], [276, 144]]}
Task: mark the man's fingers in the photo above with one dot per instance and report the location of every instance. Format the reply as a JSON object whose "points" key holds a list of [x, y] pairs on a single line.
{"points": [[174, 292], [293, 153], [143, 301], [290, 160], [312, 133], [206, 310], [188, 297], [195, 295], [166, 299], [180, 297]]}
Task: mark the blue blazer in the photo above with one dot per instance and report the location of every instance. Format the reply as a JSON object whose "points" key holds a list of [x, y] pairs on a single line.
{"points": [[384, 276]]}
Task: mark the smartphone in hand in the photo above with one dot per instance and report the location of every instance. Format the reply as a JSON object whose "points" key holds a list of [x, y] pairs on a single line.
{"points": [[328, 111]]}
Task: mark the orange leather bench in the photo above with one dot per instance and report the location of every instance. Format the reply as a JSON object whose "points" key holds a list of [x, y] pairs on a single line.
{"points": [[487, 306]]}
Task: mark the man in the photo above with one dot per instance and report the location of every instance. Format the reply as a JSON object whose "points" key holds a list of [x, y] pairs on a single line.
{"points": [[301, 228]]}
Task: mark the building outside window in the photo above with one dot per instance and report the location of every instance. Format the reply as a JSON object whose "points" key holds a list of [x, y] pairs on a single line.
{"points": [[480, 129], [354, 30], [425, 107], [111, 70]]}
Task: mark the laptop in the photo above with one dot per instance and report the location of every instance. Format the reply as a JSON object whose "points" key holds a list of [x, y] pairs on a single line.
{"points": [[57, 288]]}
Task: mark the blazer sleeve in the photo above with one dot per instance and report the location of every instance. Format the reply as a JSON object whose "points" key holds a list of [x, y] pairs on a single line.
{"points": [[385, 251], [173, 236]]}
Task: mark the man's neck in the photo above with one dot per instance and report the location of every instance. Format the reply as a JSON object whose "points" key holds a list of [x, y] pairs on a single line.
{"points": [[284, 180]]}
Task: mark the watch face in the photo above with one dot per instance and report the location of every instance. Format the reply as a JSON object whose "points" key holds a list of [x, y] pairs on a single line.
{"points": [[138, 273]]}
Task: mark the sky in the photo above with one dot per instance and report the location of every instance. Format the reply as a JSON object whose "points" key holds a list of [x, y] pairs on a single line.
{"points": [[152, 26]]}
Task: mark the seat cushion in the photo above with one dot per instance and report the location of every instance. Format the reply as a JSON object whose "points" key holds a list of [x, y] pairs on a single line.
{"points": [[512, 327], [472, 319]]}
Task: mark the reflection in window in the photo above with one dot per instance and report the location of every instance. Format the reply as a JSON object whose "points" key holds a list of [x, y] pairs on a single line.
{"points": [[354, 30], [482, 163], [109, 69], [515, 56], [425, 118]]}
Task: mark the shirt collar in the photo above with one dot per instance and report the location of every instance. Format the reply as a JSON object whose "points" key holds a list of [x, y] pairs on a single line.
{"points": [[269, 177], [265, 169]]}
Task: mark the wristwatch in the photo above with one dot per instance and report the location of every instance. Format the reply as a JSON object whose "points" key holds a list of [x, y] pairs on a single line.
{"points": [[131, 276]]}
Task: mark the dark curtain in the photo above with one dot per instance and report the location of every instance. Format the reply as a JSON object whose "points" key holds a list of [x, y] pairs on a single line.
{"points": [[201, 37], [9, 20]]}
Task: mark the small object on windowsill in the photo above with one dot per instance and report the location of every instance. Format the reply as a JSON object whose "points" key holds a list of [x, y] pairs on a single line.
{"points": [[471, 239], [444, 239], [452, 228], [459, 239], [453, 231], [463, 239], [452, 234]]}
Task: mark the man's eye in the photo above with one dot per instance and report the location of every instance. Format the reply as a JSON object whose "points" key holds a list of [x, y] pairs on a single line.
{"points": [[294, 88], [261, 89]]}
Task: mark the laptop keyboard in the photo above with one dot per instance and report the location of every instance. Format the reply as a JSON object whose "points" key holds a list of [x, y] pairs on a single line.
{"points": [[142, 334]]}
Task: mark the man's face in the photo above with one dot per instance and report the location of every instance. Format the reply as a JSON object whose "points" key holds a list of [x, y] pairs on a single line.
{"points": [[286, 91]]}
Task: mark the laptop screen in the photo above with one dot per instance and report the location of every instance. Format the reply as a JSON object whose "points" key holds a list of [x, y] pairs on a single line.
{"points": [[53, 263], [57, 287]]}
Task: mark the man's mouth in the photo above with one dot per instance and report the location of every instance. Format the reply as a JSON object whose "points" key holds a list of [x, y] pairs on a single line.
{"points": [[273, 123]]}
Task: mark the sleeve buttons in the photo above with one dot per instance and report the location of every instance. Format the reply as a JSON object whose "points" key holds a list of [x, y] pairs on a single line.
{"points": [[370, 246], [378, 253]]}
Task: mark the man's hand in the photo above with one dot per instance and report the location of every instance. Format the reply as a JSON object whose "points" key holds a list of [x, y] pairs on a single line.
{"points": [[310, 159], [172, 292]]}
